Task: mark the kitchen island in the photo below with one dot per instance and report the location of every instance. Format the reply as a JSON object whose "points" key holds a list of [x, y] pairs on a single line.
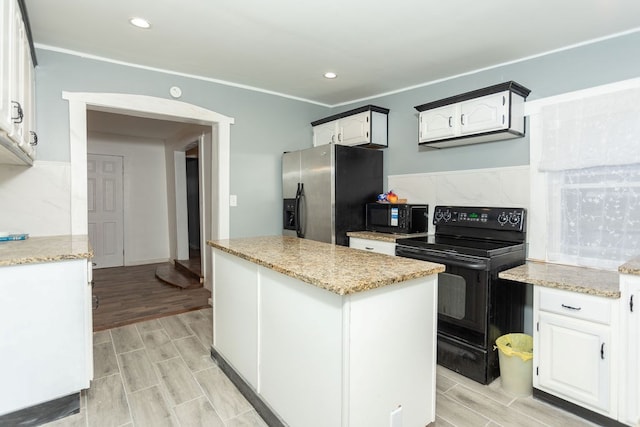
{"points": [[315, 334]]}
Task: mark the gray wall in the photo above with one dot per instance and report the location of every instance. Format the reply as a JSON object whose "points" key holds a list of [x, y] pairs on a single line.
{"points": [[266, 125], [586, 66]]}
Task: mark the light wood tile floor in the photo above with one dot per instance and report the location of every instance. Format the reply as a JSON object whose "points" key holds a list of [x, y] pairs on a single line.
{"points": [[159, 373]]}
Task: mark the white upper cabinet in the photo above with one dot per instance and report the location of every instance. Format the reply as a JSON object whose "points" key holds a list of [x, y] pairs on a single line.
{"points": [[17, 89], [489, 114], [366, 126]]}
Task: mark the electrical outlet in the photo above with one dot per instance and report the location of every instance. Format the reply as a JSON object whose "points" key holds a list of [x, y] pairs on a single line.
{"points": [[233, 200], [395, 419]]}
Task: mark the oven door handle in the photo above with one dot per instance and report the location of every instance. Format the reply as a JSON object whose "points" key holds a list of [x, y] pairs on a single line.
{"points": [[452, 261]]}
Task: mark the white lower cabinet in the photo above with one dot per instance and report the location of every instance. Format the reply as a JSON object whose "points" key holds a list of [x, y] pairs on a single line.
{"points": [[46, 338], [630, 350], [235, 332], [387, 248], [575, 348]]}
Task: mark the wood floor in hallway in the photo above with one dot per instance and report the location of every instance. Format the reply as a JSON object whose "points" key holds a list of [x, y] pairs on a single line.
{"points": [[133, 294]]}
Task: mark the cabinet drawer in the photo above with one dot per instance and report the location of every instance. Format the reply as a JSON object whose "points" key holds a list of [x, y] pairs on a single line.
{"points": [[386, 248], [579, 306]]}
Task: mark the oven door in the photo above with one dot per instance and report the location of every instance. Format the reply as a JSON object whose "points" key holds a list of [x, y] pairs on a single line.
{"points": [[462, 293]]}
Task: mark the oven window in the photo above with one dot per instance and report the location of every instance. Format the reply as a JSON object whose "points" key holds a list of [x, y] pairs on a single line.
{"points": [[451, 295]]}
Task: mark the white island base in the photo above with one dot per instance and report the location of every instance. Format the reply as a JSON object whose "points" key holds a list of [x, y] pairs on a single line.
{"points": [[306, 357]]}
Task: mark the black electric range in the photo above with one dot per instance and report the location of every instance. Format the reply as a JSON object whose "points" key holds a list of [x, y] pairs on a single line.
{"points": [[474, 306]]}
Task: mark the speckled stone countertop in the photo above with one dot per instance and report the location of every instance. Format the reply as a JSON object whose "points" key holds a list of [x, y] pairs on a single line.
{"points": [[337, 269], [44, 249], [383, 237], [631, 267], [603, 283]]}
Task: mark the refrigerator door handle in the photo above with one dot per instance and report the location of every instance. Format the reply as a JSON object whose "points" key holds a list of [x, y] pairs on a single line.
{"points": [[298, 218]]}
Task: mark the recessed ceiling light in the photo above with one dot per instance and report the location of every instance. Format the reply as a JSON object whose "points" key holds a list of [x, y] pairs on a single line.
{"points": [[330, 75], [140, 23]]}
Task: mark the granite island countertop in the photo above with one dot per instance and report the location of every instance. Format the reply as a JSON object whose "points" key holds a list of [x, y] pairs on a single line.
{"points": [[631, 267], [382, 237], [45, 249], [338, 269], [603, 283]]}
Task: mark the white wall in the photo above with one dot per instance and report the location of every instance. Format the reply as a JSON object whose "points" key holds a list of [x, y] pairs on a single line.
{"points": [[23, 208], [502, 187], [146, 223]]}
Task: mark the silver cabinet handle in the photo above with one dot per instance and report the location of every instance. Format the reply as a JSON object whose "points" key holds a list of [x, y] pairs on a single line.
{"points": [[19, 112], [602, 351], [450, 121], [631, 304], [462, 119], [368, 248], [571, 308], [34, 136]]}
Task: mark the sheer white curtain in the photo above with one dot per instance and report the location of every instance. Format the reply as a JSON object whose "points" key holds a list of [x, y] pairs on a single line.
{"points": [[591, 157]]}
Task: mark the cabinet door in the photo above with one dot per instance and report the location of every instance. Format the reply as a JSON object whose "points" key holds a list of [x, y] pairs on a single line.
{"points": [[439, 123], [355, 129], [324, 134], [630, 340], [43, 339], [21, 45], [484, 114], [27, 87], [235, 322], [574, 360], [6, 64]]}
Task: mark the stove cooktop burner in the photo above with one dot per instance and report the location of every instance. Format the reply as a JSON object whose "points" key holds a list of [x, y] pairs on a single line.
{"points": [[462, 245]]}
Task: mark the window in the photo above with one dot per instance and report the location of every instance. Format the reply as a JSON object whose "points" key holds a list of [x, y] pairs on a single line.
{"points": [[587, 158]]}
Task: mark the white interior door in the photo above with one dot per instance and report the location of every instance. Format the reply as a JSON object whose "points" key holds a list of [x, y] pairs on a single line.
{"points": [[105, 206]]}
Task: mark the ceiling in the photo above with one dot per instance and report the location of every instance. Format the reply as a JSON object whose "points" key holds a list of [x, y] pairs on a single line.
{"points": [[285, 46]]}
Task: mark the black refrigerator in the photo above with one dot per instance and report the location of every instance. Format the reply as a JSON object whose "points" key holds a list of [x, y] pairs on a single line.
{"points": [[326, 188]]}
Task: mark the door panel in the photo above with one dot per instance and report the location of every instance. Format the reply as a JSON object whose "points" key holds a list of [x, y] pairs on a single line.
{"points": [[105, 206], [318, 193]]}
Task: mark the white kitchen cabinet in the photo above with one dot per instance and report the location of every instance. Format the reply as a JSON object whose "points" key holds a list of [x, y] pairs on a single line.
{"points": [[370, 245], [236, 327], [365, 126], [17, 93], [575, 348], [488, 114], [46, 339], [629, 409]]}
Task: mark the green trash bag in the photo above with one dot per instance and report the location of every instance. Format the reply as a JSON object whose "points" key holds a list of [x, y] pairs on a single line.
{"points": [[520, 345]]}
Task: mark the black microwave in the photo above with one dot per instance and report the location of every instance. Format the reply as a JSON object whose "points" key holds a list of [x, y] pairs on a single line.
{"points": [[397, 218]]}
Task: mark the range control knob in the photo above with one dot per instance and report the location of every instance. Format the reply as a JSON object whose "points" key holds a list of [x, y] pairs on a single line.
{"points": [[503, 218], [438, 215], [447, 215], [514, 218]]}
